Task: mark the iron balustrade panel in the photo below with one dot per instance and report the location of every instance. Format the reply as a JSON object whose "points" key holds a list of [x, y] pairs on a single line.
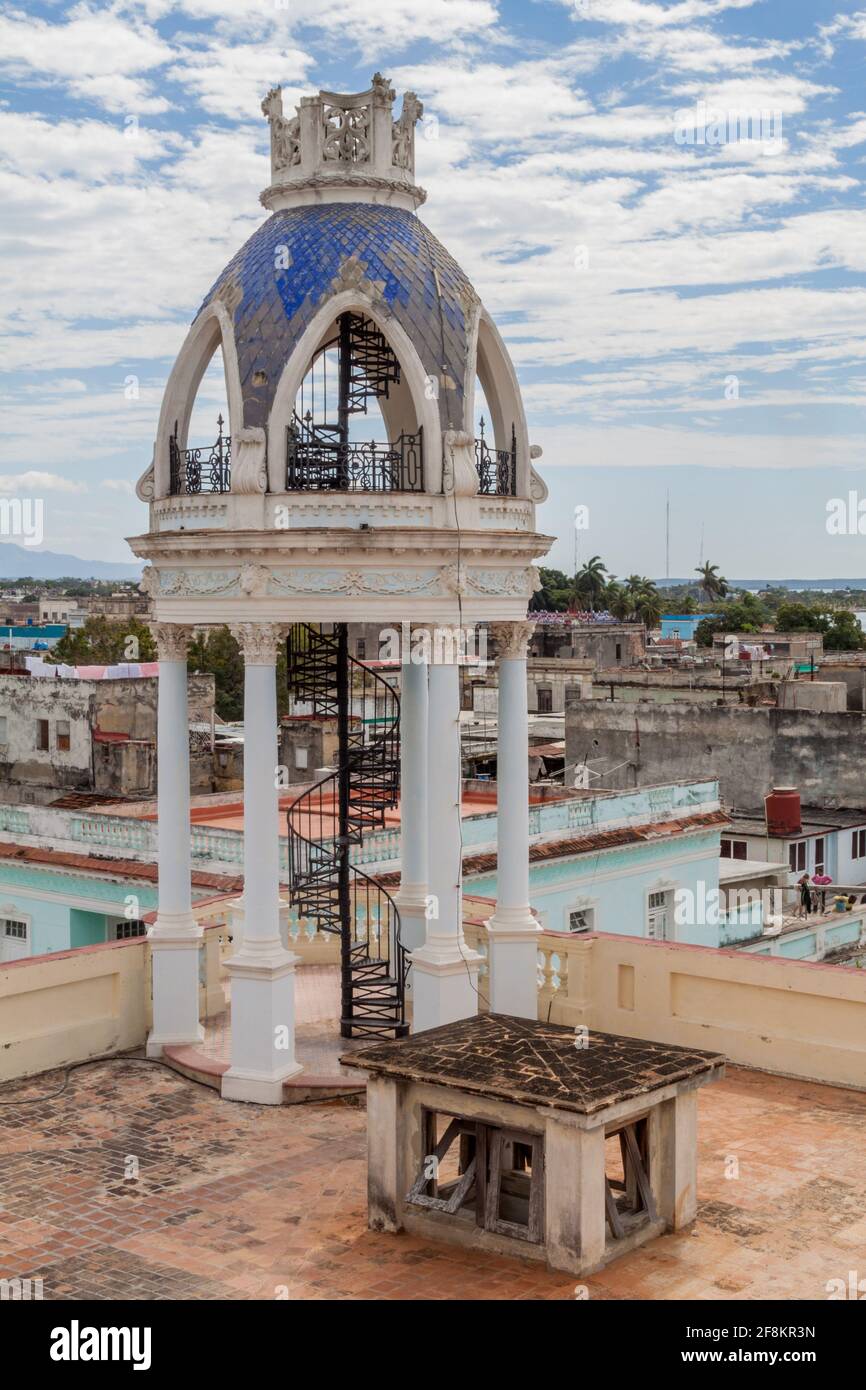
{"points": [[316, 462], [497, 468], [206, 469]]}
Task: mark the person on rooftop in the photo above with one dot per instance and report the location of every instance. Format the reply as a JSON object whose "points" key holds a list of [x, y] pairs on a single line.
{"points": [[805, 904], [821, 881]]}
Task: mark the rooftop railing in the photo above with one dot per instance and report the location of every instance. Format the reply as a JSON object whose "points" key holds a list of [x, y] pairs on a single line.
{"points": [[497, 468], [205, 469], [318, 460]]}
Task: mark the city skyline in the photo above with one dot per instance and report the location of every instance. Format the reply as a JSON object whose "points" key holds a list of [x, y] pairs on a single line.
{"points": [[661, 205]]}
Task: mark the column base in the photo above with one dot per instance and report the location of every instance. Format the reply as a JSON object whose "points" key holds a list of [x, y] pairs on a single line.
{"points": [[512, 953], [175, 943], [158, 1042], [254, 1088], [262, 975], [445, 984]]}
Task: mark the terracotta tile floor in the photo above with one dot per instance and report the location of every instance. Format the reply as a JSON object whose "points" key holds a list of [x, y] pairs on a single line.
{"points": [[241, 1201]]}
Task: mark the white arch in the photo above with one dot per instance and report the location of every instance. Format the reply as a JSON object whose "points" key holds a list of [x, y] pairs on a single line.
{"points": [[414, 375], [212, 329], [490, 362]]}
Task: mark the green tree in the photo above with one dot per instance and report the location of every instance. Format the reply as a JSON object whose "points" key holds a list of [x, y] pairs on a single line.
{"points": [[844, 634], [713, 584], [618, 602], [801, 617], [105, 641], [589, 582], [555, 593], [647, 604], [746, 614], [216, 652]]}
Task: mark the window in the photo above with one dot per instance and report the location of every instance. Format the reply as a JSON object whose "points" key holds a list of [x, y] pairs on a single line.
{"points": [[545, 699], [628, 1196], [820, 854], [62, 732], [734, 849], [42, 735], [124, 931], [657, 916], [858, 844], [2, 728], [797, 856], [619, 651], [493, 1174], [360, 648], [14, 943], [302, 757], [581, 919]]}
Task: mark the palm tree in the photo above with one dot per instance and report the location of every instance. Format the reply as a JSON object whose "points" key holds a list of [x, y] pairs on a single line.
{"points": [[648, 608], [634, 584], [618, 602], [589, 582], [713, 584]]}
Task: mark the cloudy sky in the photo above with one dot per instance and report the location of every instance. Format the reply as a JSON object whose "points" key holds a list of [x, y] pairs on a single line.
{"points": [[661, 202]]}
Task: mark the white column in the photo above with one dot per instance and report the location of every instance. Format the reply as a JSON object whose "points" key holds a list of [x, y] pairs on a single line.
{"points": [[445, 970], [261, 970], [512, 930], [175, 937], [412, 894]]}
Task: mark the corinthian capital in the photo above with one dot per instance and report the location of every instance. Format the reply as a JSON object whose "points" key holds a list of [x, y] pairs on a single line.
{"points": [[259, 642], [171, 640], [512, 639]]}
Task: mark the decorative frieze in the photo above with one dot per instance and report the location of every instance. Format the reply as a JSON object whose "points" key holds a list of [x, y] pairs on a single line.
{"points": [[259, 581]]}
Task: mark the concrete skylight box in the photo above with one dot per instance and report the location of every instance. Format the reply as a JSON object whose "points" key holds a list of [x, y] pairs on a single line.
{"points": [[533, 1139]]}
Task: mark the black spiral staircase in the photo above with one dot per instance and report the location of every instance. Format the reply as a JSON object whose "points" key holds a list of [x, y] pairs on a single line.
{"points": [[325, 886]]}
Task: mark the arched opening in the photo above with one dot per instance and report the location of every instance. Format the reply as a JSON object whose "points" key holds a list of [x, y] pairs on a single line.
{"points": [[353, 427], [200, 437]]}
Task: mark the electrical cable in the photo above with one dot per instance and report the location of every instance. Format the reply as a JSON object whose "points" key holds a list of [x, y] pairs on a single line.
{"points": [[148, 1061]]}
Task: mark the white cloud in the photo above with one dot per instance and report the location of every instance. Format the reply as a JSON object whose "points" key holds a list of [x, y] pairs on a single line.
{"points": [[94, 42], [34, 481]]}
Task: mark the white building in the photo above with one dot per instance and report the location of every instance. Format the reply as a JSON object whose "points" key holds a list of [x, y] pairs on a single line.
{"points": [[289, 519]]}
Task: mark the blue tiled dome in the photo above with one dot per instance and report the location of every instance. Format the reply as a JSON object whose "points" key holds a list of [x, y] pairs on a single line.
{"points": [[395, 251]]}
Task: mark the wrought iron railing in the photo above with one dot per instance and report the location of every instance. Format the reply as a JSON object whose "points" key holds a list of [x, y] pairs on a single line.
{"points": [[206, 469], [318, 461], [497, 468]]}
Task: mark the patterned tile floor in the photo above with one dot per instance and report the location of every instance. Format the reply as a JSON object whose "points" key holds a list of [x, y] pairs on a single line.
{"points": [[135, 1183]]}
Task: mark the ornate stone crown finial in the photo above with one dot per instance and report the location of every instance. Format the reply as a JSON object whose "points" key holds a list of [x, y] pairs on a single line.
{"points": [[343, 146]]}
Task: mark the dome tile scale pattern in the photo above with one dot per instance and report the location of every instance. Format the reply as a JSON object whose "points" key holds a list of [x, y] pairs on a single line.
{"points": [[302, 256]]}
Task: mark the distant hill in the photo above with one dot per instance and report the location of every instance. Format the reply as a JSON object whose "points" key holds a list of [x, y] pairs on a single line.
{"points": [[819, 584], [20, 562]]}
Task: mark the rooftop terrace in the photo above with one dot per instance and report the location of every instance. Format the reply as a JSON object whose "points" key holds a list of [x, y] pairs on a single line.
{"points": [[246, 1202]]}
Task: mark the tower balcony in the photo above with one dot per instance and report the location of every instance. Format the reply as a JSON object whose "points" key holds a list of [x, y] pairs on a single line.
{"points": [[317, 460]]}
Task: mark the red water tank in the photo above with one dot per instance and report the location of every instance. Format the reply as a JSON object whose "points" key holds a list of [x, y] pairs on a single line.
{"points": [[782, 809]]}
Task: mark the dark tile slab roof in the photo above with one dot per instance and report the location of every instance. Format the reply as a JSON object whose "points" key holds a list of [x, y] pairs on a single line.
{"points": [[117, 868], [532, 1063], [586, 844], [412, 275]]}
